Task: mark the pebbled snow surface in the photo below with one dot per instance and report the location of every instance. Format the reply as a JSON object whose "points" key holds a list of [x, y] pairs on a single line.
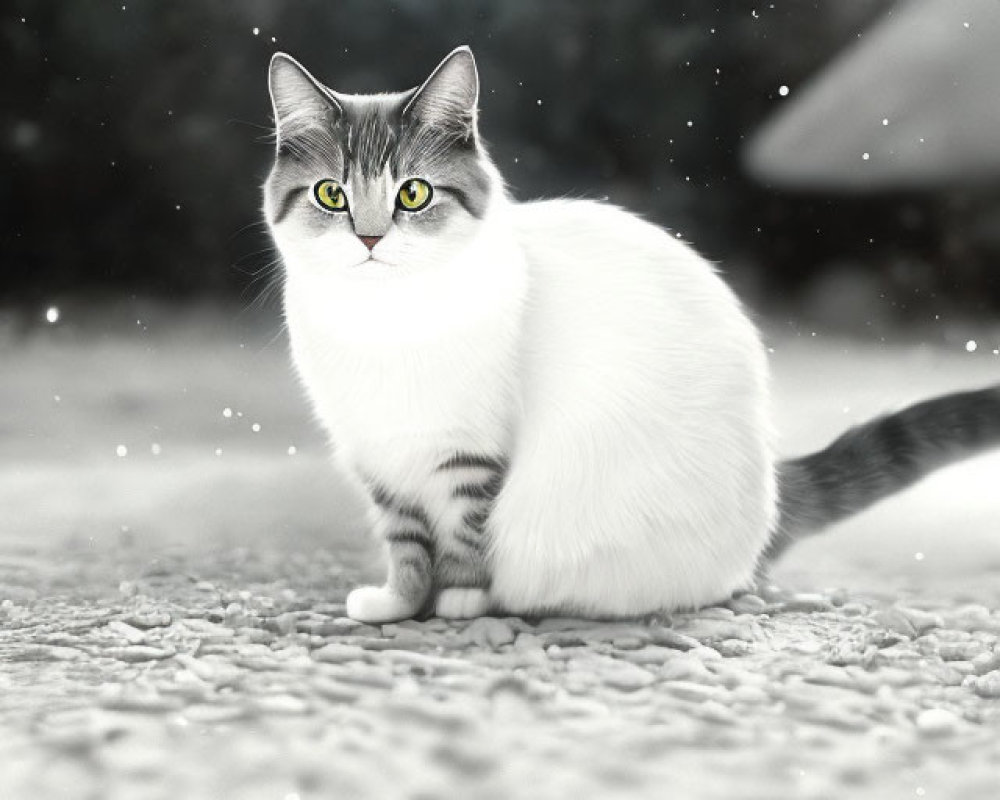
{"points": [[172, 625]]}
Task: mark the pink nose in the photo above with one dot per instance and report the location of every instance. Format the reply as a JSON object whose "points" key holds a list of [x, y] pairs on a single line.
{"points": [[370, 241]]}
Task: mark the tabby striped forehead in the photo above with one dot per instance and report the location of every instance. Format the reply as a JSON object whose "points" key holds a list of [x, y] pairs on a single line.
{"points": [[371, 133]]}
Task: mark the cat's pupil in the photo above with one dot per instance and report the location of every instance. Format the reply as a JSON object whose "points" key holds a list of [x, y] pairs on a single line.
{"points": [[411, 191]]}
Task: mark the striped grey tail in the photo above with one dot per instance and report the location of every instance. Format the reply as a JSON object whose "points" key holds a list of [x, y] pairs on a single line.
{"points": [[879, 458]]}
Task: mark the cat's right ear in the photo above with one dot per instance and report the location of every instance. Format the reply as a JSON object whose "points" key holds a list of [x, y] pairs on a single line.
{"points": [[298, 100]]}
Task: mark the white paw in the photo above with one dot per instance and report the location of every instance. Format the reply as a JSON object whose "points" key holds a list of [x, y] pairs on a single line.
{"points": [[462, 602], [378, 604]]}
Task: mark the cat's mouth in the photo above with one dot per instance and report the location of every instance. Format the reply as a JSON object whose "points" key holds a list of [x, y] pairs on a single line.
{"points": [[372, 261]]}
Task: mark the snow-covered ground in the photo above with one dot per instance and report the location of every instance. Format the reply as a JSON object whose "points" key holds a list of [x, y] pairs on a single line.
{"points": [[171, 619]]}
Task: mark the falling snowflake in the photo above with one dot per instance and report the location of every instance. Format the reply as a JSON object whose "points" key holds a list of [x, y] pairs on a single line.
{"points": [[52, 314], [783, 90], [121, 451], [970, 346]]}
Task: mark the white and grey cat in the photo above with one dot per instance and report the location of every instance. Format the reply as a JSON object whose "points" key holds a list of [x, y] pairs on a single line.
{"points": [[552, 406]]}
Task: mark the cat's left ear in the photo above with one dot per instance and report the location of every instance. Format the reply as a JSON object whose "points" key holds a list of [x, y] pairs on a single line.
{"points": [[448, 98]]}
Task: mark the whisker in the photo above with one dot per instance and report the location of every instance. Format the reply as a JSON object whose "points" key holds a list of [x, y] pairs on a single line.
{"points": [[282, 327], [273, 286], [262, 251], [261, 224]]}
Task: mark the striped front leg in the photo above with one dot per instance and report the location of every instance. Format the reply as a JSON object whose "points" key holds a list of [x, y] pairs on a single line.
{"points": [[460, 567], [406, 529]]}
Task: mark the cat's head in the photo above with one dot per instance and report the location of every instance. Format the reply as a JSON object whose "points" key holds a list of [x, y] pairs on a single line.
{"points": [[377, 184]]}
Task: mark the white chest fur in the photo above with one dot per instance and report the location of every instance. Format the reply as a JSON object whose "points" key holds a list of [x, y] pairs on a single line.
{"points": [[403, 366]]}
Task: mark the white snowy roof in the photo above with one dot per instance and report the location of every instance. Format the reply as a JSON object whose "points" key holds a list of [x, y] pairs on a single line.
{"points": [[915, 102]]}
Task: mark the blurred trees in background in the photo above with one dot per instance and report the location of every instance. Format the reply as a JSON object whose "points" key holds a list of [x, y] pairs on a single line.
{"points": [[135, 136]]}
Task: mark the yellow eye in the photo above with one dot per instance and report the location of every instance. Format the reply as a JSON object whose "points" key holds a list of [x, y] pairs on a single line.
{"points": [[414, 195], [330, 196]]}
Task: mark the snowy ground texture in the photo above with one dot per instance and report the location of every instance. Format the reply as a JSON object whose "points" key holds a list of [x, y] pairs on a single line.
{"points": [[172, 620]]}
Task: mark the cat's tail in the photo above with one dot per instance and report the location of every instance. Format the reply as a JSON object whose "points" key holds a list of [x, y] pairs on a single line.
{"points": [[879, 458]]}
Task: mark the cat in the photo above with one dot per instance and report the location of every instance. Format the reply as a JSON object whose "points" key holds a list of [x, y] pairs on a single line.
{"points": [[552, 407]]}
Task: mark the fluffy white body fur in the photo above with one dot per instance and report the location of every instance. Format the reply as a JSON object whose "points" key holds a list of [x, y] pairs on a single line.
{"points": [[601, 355]]}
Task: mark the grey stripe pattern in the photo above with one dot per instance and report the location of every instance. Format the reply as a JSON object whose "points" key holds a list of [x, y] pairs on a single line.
{"points": [[484, 490], [423, 556], [410, 537], [879, 458], [287, 202], [480, 478], [418, 537], [464, 460], [384, 499]]}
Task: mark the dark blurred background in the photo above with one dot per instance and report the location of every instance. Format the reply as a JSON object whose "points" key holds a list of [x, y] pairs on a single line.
{"points": [[135, 135]]}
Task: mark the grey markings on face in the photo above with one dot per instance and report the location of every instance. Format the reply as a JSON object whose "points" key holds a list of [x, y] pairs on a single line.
{"points": [[425, 132]]}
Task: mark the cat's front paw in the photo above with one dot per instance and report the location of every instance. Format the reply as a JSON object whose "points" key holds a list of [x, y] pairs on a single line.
{"points": [[378, 604], [462, 602]]}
